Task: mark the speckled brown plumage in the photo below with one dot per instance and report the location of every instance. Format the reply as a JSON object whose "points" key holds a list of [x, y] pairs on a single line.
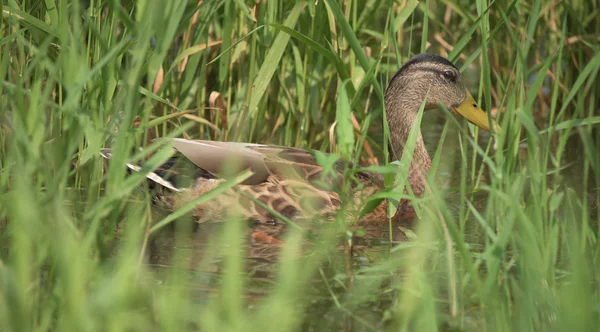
{"points": [[291, 182]]}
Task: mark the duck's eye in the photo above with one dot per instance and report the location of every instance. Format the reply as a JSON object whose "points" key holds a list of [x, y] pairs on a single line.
{"points": [[449, 75]]}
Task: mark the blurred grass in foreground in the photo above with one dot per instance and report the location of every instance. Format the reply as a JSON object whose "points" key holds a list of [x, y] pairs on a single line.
{"points": [[79, 76]]}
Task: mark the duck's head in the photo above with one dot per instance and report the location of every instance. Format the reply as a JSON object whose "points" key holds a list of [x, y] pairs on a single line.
{"points": [[435, 78]]}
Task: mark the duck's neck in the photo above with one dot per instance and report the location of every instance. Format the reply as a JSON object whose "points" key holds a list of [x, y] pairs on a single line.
{"points": [[401, 122], [401, 116]]}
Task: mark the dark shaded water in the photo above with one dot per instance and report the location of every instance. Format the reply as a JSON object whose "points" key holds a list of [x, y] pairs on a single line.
{"points": [[202, 264]]}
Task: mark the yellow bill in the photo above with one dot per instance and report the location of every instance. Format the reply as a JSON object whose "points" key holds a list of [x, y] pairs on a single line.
{"points": [[475, 114]]}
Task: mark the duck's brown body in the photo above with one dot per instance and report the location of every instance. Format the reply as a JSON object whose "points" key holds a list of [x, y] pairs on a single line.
{"points": [[293, 185], [290, 182]]}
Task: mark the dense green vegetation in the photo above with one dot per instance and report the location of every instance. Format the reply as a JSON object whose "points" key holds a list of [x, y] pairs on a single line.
{"points": [[507, 238]]}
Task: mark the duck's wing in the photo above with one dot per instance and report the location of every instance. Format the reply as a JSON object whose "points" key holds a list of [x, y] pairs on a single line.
{"points": [[265, 161]]}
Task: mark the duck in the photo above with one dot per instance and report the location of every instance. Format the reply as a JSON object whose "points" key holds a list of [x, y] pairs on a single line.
{"points": [[289, 183]]}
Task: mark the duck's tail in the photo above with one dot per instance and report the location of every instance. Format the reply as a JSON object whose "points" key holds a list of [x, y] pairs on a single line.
{"points": [[164, 176]]}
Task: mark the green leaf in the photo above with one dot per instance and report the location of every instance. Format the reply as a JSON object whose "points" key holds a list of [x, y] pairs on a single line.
{"points": [[344, 129], [245, 10], [356, 45], [267, 70], [27, 20]]}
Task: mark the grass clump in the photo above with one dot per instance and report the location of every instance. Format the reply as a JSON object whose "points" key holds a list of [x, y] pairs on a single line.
{"points": [[506, 239]]}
